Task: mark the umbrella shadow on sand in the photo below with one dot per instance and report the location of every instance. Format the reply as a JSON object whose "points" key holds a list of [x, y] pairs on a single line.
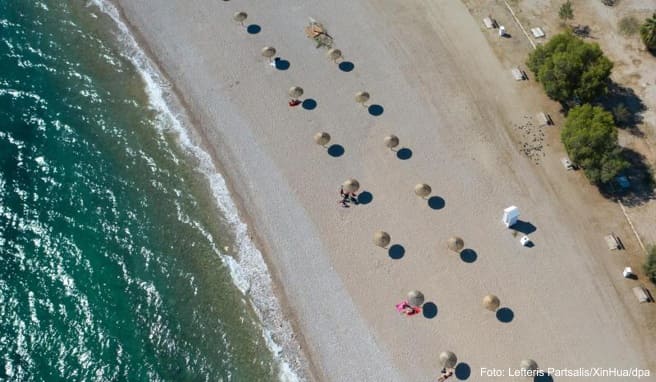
{"points": [[468, 255], [309, 104], [365, 197], [396, 251], [346, 66], [429, 310], [505, 315], [336, 150], [545, 377], [436, 202], [253, 29], [404, 153], [463, 371], [281, 63], [376, 110]]}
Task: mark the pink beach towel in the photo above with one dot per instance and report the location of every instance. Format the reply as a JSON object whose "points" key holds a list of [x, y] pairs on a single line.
{"points": [[400, 307]]}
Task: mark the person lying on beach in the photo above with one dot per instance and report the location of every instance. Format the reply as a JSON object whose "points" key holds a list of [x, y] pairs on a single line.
{"points": [[404, 308], [294, 102], [445, 375]]}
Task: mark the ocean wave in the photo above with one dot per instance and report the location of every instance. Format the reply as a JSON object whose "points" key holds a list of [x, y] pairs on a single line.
{"points": [[248, 269]]}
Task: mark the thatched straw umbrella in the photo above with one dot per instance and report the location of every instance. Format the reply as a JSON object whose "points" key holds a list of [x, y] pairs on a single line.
{"points": [[382, 239], [240, 17], [295, 92], [391, 141], [334, 54], [269, 52], [422, 190], [322, 138], [448, 359], [491, 302], [361, 97], [528, 365], [415, 298], [351, 185], [455, 244]]}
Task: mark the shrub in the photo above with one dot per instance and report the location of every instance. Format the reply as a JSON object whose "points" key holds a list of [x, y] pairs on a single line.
{"points": [[566, 11], [590, 138], [628, 26], [570, 69], [648, 33], [650, 264], [609, 3]]}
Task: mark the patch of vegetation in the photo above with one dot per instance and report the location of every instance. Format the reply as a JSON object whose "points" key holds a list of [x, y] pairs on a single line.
{"points": [[622, 115], [610, 3], [590, 138], [648, 33], [650, 264], [571, 70], [628, 26], [566, 11]]}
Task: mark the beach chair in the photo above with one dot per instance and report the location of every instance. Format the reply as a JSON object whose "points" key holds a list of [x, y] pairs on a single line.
{"points": [[489, 22], [567, 163], [612, 242], [518, 74], [537, 32], [525, 241], [641, 294], [544, 119]]}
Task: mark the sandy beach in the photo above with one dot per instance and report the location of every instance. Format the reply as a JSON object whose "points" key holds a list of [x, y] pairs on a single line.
{"points": [[448, 98]]}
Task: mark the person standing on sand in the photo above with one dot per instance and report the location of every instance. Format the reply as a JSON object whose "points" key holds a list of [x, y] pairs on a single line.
{"points": [[345, 198], [446, 374], [353, 197]]}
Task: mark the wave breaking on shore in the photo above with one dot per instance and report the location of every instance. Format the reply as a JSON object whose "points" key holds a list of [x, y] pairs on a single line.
{"points": [[248, 270]]}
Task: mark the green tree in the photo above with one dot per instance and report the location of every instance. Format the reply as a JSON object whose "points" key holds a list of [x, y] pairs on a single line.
{"points": [[570, 69], [650, 264], [648, 33], [566, 11], [590, 138]]}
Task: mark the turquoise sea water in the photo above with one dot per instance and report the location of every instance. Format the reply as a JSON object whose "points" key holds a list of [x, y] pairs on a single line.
{"points": [[109, 236]]}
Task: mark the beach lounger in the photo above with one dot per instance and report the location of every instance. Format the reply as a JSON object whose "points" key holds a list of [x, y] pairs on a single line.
{"points": [[537, 32], [544, 119], [567, 163], [518, 74], [489, 23], [612, 242], [525, 241], [641, 294]]}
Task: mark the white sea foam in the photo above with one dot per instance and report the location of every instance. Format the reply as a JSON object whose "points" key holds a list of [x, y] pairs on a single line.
{"points": [[248, 270]]}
